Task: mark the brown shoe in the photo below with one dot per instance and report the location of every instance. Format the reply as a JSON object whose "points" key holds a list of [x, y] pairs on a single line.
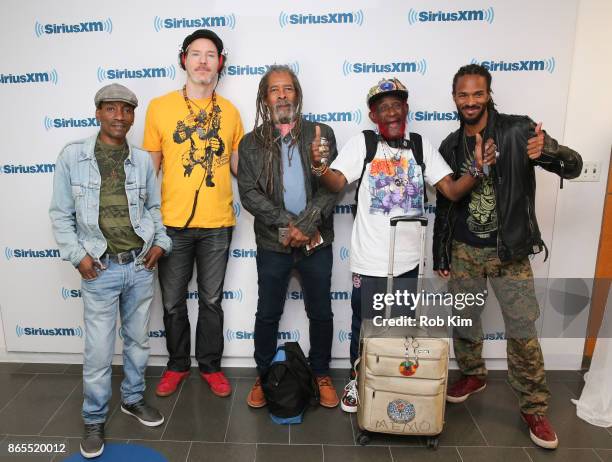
{"points": [[256, 398], [541, 431], [459, 391], [327, 391]]}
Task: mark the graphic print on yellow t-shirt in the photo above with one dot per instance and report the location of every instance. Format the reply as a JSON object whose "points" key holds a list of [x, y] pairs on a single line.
{"points": [[196, 149]]}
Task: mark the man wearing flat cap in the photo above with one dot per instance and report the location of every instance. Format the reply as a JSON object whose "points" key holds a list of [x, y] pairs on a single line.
{"points": [[193, 134], [105, 213]]}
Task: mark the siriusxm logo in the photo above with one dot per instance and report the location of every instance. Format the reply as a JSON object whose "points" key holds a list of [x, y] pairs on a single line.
{"points": [[347, 116], [495, 336], [378, 68], [243, 253], [9, 169], [30, 77], [160, 333], [344, 209], [542, 65], [231, 335], [237, 209], [344, 336], [202, 22], [49, 332], [246, 70], [30, 253], [105, 25], [67, 294], [62, 122], [432, 116], [140, 73], [299, 295], [299, 19], [344, 253], [237, 295], [487, 15]]}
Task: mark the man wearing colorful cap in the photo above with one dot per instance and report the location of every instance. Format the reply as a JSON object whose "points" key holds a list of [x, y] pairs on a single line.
{"points": [[391, 183], [193, 134], [105, 213]]}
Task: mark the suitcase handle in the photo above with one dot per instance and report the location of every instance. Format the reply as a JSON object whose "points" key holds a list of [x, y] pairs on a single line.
{"points": [[396, 220]]}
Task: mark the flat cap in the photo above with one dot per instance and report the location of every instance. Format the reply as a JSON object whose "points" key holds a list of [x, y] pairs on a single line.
{"points": [[115, 92]]}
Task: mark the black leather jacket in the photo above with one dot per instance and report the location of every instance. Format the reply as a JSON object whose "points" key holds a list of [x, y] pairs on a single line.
{"points": [[269, 209], [514, 182]]}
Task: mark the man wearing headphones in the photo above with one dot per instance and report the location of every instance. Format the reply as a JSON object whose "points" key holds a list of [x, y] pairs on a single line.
{"points": [[193, 134]]}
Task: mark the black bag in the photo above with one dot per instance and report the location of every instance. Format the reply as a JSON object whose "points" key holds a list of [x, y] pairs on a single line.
{"points": [[289, 385]]}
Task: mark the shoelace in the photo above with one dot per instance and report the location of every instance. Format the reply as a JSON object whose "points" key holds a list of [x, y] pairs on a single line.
{"points": [[351, 390]]}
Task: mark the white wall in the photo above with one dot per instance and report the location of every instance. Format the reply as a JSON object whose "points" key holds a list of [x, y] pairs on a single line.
{"points": [[588, 123], [588, 129]]}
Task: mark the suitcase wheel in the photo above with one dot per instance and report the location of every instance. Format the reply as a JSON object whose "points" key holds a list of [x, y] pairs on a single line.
{"points": [[432, 442], [363, 438]]}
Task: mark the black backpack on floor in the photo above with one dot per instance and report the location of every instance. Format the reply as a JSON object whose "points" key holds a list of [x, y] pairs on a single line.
{"points": [[289, 385]]}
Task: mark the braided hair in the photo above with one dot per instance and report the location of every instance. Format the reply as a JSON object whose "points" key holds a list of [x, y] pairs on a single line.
{"points": [[264, 125]]}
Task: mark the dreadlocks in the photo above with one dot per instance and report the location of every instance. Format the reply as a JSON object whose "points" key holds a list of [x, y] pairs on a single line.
{"points": [[264, 133]]}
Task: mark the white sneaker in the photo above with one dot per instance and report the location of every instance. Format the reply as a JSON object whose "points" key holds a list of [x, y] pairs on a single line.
{"points": [[350, 397]]}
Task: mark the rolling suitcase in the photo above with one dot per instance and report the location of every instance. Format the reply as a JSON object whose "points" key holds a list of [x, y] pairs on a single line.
{"points": [[403, 372]]}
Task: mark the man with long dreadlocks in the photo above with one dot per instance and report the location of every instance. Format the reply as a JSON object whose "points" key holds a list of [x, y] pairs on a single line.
{"points": [[194, 134], [293, 223]]}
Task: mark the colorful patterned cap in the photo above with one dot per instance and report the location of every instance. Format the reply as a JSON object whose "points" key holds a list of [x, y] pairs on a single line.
{"points": [[386, 87]]}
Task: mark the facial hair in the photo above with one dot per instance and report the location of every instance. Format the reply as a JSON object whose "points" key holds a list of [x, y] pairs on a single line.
{"points": [[384, 131], [288, 113], [474, 120]]}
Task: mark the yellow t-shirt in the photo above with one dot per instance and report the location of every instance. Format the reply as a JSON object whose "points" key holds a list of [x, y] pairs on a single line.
{"points": [[194, 153]]}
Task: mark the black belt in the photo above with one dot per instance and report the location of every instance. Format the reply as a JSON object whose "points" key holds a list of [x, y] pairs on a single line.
{"points": [[123, 258]]}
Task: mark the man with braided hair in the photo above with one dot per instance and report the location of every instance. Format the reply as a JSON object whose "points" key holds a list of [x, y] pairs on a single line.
{"points": [[293, 222], [490, 234]]}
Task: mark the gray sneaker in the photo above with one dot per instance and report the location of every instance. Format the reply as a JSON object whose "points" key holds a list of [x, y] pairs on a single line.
{"points": [[92, 443], [144, 413]]}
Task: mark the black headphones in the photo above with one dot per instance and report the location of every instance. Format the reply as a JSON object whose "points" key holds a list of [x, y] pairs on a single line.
{"points": [[207, 34]]}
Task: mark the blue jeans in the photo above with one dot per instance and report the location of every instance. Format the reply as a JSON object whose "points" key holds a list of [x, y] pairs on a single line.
{"points": [[364, 287], [126, 290], [273, 274], [209, 248]]}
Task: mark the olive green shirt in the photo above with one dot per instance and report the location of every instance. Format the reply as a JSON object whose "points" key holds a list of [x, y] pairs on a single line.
{"points": [[114, 218]]}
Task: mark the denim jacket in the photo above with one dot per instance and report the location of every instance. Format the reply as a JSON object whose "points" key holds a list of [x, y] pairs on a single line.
{"points": [[75, 202]]}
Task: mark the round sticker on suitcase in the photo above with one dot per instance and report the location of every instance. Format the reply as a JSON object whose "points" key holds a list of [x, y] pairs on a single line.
{"points": [[408, 368], [401, 411]]}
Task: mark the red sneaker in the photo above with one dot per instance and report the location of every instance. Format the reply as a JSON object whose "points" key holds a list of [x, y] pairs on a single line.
{"points": [[170, 382], [459, 391], [218, 383], [541, 431]]}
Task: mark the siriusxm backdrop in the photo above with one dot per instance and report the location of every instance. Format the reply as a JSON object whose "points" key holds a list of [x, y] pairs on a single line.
{"points": [[55, 56]]}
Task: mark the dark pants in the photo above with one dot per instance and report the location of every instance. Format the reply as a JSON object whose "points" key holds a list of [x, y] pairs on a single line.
{"points": [[209, 248], [364, 287], [273, 274]]}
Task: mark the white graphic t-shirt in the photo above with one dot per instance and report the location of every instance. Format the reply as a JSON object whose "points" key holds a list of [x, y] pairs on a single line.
{"points": [[392, 185]]}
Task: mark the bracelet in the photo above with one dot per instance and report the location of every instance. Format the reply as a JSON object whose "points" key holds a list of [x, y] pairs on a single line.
{"points": [[472, 170], [319, 171]]}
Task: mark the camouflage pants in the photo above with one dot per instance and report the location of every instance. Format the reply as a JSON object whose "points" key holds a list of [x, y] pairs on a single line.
{"points": [[512, 283]]}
